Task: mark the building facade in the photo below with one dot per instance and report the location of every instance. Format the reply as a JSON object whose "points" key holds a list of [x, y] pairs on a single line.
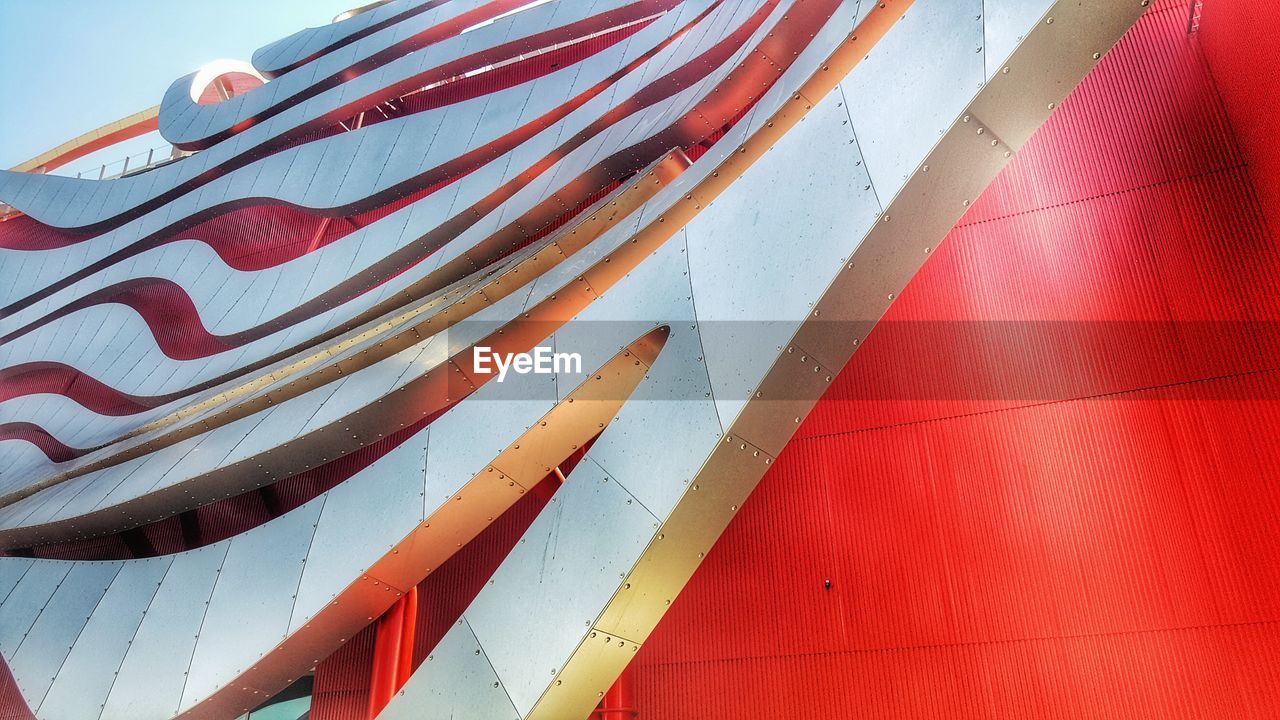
{"points": [[254, 461]]}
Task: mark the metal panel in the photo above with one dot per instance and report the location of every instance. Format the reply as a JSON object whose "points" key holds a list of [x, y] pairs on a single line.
{"points": [[675, 399], [81, 687], [931, 201], [561, 573], [1005, 24], [336, 166], [150, 678], [36, 661], [362, 520], [304, 161], [598, 662], [26, 600], [710, 501], [721, 485], [1031, 619], [505, 410], [462, 678], [718, 285], [912, 85], [201, 203], [743, 332], [364, 386], [11, 572], [1069, 41], [251, 603], [365, 167]]}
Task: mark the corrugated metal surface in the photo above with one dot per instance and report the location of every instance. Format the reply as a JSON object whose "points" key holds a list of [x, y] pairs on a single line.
{"points": [[1218, 672], [12, 705], [341, 689], [1153, 286], [1239, 38], [1147, 115], [1047, 487], [1040, 295]]}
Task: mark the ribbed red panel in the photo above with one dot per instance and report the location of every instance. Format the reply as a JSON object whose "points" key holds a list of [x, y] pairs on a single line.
{"points": [[52, 447], [1147, 115], [1239, 38], [1048, 485], [341, 689], [1088, 267], [1220, 672], [449, 590], [12, 704]]}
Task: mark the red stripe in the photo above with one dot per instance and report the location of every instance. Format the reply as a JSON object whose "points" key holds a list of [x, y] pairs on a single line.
{"points": [[256, 236], [56, 378], [752, 79], [166, 308], [52, 448], [33, 236]]}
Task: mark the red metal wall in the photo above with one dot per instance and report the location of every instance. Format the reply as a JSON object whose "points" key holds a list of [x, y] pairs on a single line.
{"points": [[12, 705], [1239, 38], [1049, 485]]}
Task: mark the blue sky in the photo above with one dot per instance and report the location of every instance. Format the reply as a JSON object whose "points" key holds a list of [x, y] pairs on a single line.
{"points": [[69, 66]]}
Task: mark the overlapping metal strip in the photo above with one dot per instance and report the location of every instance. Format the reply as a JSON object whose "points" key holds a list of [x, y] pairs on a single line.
{"points": [[711, 303]]}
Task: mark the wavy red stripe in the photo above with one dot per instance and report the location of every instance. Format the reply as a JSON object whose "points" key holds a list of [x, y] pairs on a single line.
{"points": [[58, 379], [52, 448], [755, 74]]}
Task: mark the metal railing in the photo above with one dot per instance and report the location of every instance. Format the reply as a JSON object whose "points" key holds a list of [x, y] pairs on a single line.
{"points": [[131, 165]]}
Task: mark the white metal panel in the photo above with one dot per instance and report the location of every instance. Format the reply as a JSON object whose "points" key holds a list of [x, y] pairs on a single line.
{"points": [[25, 601], [249, 610], [80, 689], [362, 520], [547, 593], [151, 676], [913, 85], [462, 677], [36, 661], [786, 257]]}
